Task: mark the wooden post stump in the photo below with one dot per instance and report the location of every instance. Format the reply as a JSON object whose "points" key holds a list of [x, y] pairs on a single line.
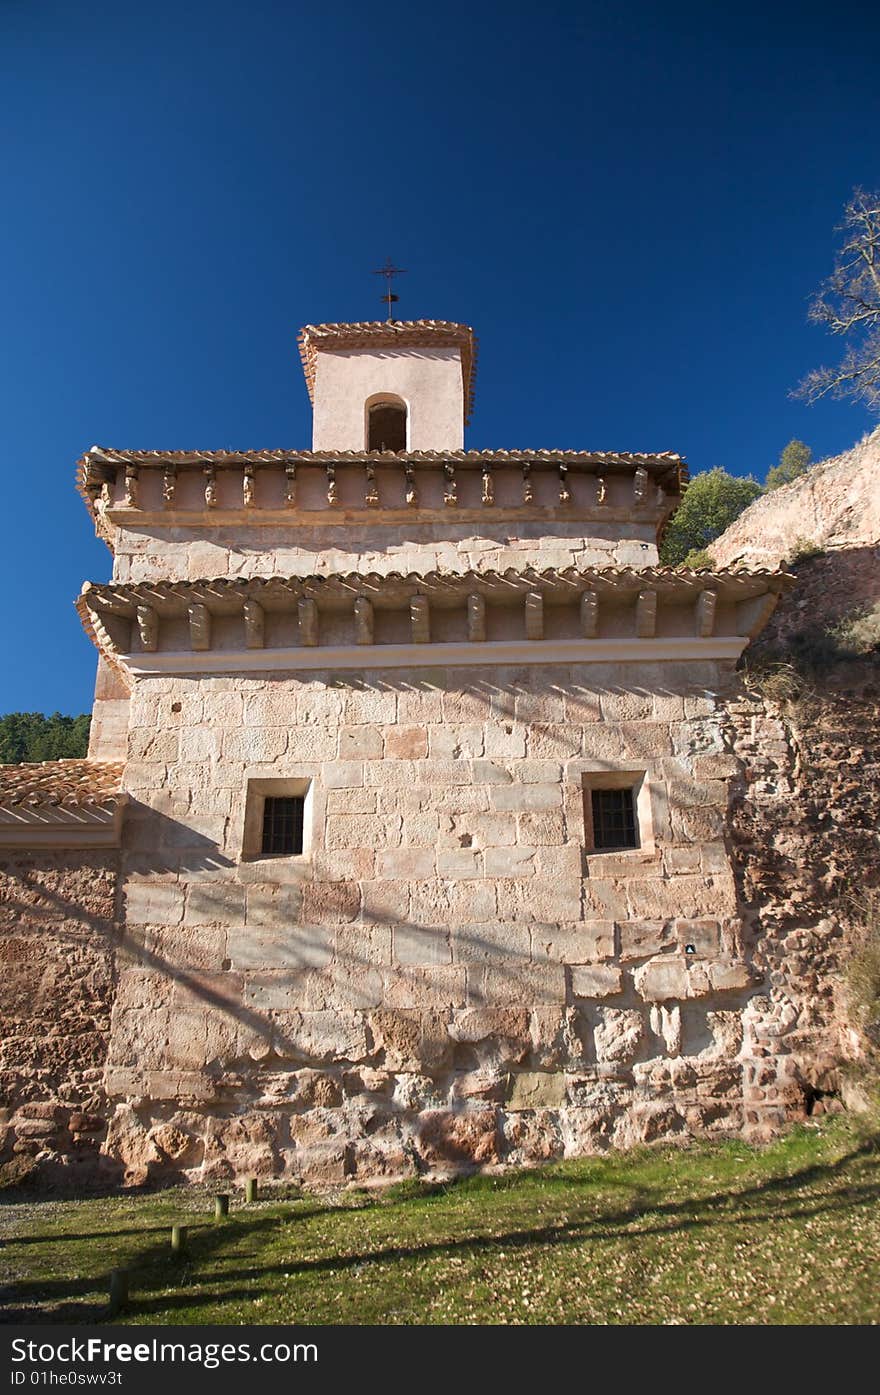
{"points": [[250, 1190], [118, 1290], [221, 1207], [178, 1239]]}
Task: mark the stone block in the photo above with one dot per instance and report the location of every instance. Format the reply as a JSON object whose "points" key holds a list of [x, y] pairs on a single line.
{"points": [[662, 979], [272, 907], [459, 862], [246, 746], [158, 903], [344, 831], [360, 743], [491, 772], [516, 984], [704, 935], [553, 742], [326, 903], [342, 775], [352, 801], [493, 942], [505, 741], [519, 798], [425, 986], [596, 981], [589, 941], [395, 863], [535, 1090], [730, 977], [454, 742], [214, 903], [618, 1035], [480, 1024], [405, 743], [416, 945], [510, 861], [384, 901], [720, 766], [538, 830], [362, 944], [641, 938], [303, 947]]}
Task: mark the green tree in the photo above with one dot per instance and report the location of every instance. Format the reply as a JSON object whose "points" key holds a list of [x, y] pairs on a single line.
{"points": [[712, 501], [31, 736], [795, 460]]}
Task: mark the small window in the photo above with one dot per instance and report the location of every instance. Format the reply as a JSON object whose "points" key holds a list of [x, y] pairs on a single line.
{"points": [[614, 818], [386, 426], [283, 819], [279, 818]]}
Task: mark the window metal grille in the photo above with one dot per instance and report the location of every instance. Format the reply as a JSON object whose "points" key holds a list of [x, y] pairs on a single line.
{"points": [[283, 824], [614, 819]]}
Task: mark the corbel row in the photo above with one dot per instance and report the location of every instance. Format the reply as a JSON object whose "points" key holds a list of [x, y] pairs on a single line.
{"points": [[308, 616], [641, 481]]}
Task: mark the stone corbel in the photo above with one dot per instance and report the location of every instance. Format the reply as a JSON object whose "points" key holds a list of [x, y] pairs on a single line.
{"points": [[488, 486], [363, 620], [248, 487], [210, 487], [169, 485], [528, 492], [199, 626], [752, 615], [254, 625], [476, 618], [589, 614], [646, 614], [534, 615], [420, 618], [332, 489], [450, 486], [412, 497], [307, 615], [640, 485], [131, 486], [564, 491], [290, 485], [371, 498], [601, 491], [148, 627], [705, 614]]}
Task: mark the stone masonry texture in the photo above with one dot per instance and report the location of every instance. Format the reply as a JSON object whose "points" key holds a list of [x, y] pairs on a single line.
{"points": [[449, 980]]}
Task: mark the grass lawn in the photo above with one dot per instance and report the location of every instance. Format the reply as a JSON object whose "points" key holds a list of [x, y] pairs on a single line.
{"points": [[709, 1234]]}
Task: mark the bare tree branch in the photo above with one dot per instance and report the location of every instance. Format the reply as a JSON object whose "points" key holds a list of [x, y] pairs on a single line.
{"points": [[848, 303]]}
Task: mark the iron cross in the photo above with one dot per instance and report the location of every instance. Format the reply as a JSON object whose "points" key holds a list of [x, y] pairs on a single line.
{"points": [[389, 271]]}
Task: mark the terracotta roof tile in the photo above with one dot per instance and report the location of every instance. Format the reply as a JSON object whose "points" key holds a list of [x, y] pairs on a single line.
{"points": [[67, 784], [388, 334]]}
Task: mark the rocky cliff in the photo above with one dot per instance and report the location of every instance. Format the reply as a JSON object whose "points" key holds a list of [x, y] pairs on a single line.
{"points": [[835, 505]]}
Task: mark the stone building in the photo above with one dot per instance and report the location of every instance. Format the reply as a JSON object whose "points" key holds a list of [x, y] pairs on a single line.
{"points": [[403, 841]]}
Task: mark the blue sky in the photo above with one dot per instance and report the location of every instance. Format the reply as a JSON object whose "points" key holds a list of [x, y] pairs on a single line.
{"points": [[631, 204]]}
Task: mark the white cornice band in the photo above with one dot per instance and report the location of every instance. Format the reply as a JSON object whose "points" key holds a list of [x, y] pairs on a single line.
{"points": [[397, 656]]}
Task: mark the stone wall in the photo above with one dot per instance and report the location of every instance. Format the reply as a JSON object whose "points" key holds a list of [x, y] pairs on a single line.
{"points": [[58, 932], [448, 979], [452, 982], [382, 546]]}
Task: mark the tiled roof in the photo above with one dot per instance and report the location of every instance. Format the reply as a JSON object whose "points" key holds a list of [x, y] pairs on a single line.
{"points": [[669, 468], [226, 594], [410, 334], [60, 784]]}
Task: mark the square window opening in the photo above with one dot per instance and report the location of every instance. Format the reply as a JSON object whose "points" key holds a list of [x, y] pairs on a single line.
{"points": [[279, 818], [283, 825], [615, 825]]}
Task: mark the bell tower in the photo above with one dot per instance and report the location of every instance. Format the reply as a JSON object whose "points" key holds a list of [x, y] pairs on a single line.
{"points": [[392, 385]]}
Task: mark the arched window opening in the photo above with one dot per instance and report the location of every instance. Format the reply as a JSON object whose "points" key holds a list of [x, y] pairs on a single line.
{"points": [[386, 426]]}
